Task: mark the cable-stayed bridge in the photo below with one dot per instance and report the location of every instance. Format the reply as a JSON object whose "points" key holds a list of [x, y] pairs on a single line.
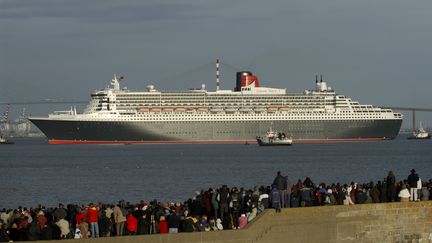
{"points": [[413, 110]]}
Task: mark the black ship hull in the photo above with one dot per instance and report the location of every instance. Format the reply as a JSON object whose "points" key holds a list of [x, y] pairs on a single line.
{"points": [[100, 132], [277, 143]]}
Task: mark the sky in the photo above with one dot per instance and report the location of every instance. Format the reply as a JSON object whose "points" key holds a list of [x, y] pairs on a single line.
{"points": [[375, 51]]}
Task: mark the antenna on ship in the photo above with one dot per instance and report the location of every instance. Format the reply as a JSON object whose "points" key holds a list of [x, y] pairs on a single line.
{"points": [[321, 78], [316, 79], [217, 74]]}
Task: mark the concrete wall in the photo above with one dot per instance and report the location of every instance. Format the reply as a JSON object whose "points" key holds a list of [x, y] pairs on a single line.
{"points": [[390, 222]]}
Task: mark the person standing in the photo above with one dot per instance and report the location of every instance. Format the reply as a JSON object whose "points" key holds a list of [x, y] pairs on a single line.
{"points": [[280, 182], [173, 222], [60, 212], [288, 193], [92, 218], [235, 207], [275, 199], [215, 203], [425, 194], [163, 225], [404, 195], [391, 187], [223, 198], [4, 234], [64, 228], [412, 182], [119, 220], [132, 224]]}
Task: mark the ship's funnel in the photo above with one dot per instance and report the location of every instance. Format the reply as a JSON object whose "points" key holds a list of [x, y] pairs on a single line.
{"points": [[245, 78]]}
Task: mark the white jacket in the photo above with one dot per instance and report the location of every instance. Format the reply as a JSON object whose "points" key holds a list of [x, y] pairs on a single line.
{"points": [[404, 193]]}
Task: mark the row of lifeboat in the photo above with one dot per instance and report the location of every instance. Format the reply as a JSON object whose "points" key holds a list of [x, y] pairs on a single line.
{"points": [[257, 109]]}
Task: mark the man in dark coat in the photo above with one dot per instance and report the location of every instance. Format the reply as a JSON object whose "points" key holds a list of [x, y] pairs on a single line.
{"points": [[275, 198], [186, 224], [361, 195], [374, 193], [280, 182], [391, 187], [60, 212], [4, 236], [223, 203], [105, 225], [235, 207], [412, 182], [173, 222], [383, 192], [34, 231]]}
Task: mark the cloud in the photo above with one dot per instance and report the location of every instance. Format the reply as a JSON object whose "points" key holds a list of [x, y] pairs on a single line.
{"points": [[100, 11]]}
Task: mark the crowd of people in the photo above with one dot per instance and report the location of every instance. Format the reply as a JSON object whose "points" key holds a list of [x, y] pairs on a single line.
{"points": [[208, 210], [307, 193]]}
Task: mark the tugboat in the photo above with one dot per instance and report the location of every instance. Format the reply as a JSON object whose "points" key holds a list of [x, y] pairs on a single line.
{"points": [[420, 133], [5, 141], [274, 138]]}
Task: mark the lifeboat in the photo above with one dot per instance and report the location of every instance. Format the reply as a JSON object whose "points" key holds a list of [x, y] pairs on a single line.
{"points": [[231, 109], [180, 109], [216, 109], [259, 109], [272, 109], [245, 109], [157, 109], [168, 109], [203, 109], [143, 109], [283, 108]]}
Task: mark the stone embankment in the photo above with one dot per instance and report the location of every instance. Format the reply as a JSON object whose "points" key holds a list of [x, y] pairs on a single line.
{"points": [[381, 222]]}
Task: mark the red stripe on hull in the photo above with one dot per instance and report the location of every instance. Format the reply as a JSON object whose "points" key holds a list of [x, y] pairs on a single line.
{"points": [[337, 140], [54, 141]]}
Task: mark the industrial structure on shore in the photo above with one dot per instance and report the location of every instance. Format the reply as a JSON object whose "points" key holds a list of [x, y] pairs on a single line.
{"points": [[19, 127]]}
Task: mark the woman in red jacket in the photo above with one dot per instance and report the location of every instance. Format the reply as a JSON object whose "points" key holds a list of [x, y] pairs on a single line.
{"points": [[163, 225], [92, 219], [132, 224]]}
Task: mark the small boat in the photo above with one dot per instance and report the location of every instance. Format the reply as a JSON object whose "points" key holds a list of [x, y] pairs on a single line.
{"points": [[274, 138], [5, 141], [420, 133]]}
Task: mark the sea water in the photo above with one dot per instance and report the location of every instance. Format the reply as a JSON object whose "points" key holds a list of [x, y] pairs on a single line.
{"points": [[33, 172]]}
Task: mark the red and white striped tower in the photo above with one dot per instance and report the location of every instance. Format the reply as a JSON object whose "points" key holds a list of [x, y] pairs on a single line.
{"points": [[217, 74]]}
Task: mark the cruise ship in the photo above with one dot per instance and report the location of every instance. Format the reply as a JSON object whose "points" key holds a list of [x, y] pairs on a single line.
{"points": [[118, 115]]}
